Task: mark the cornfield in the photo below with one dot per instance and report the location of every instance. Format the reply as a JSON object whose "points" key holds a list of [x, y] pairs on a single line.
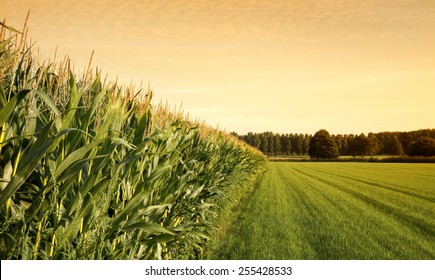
{"points": [[91, 170]]}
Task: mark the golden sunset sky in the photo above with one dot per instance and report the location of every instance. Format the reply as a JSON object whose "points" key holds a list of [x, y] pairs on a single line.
{"points": [[294, 66]]}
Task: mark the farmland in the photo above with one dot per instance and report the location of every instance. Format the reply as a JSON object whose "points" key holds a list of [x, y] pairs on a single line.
{"points": [[90, 169], [324, 210]]}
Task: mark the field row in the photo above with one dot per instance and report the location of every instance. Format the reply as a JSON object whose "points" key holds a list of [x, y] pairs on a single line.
{"points": [[337, 211]]}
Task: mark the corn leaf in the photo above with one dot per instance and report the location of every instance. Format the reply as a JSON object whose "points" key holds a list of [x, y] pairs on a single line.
{"points": [[4, 44], [75, 156], [149, 228], [10, 28], [28, 162], [90, 202], [6, 112], [131, 206], [48, 101]]}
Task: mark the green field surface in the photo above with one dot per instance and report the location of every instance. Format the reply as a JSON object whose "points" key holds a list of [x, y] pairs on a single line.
{"points": [[324, 210]]}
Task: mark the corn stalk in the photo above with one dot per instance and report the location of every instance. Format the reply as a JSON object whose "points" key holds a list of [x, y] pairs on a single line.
{"points": [[89, 170]]}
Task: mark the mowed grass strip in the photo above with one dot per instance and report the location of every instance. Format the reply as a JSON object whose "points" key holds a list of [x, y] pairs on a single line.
{"points": [[336, 211]]}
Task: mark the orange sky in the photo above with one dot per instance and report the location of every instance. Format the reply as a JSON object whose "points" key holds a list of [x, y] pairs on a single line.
{"points": [[283, 66]]}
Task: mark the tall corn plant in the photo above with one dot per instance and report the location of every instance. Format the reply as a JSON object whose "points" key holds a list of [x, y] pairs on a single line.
{"points": [[84, 173]]}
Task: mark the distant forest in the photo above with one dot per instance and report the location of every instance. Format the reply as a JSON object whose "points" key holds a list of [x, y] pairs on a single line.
{"points": [[412, 143]]}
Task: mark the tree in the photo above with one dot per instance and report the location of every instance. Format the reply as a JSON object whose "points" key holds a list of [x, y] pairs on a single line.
{"points": [[322, 146], [256, 141], [359, 146], [423, 146], [305, 144], [392, 146], [276, 144], [349, 139], [264, 143], [271, 141], [374, 144], [247, 138], [286, 145]]}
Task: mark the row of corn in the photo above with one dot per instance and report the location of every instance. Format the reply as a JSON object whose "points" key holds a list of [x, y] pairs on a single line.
{"points": [[90, 170]]}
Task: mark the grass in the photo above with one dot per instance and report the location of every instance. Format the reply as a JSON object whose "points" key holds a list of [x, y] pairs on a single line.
{"points": [[324, 210]]}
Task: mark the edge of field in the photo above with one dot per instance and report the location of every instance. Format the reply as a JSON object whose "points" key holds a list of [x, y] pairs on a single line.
{"points": [[242, 185], [379, 159]]}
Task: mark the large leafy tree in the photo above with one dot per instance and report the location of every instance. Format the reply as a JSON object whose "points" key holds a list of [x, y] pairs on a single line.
{"points": [[423, 146], [374, 145], [322, 146], [391, 146], [359, 146]]}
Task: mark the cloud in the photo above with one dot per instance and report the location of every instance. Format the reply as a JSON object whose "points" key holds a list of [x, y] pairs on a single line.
{"points": [[230, 20]]}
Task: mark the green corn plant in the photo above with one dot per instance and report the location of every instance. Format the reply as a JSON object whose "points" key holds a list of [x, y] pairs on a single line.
{"points": [[92, 170]]}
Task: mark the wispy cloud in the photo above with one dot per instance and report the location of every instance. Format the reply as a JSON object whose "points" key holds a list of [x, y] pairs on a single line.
{"points": [[231, 20], [228, 59]]}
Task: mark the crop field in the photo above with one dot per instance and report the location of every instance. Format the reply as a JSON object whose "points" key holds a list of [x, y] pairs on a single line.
{"points": [[90, 169], [315, 210]]}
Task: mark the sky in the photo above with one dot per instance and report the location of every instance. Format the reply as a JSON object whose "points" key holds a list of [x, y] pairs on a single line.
{"points": [[287, 66]]}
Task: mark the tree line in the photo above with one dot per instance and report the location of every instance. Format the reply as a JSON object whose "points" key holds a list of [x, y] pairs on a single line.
{"points": [[323, 145], [270, 143]]}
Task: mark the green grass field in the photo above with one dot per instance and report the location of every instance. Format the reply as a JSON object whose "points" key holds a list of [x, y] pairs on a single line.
{"points": [[314, 210]]}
